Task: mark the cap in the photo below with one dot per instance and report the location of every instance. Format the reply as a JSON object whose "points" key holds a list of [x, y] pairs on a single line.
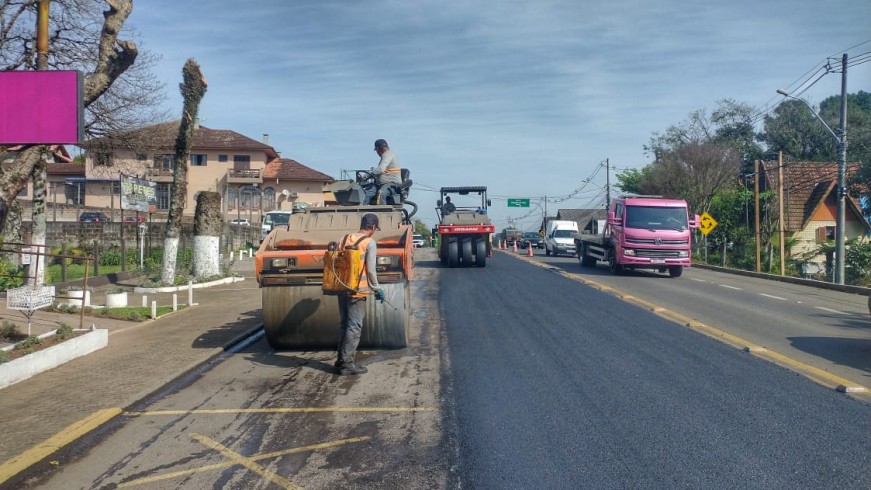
{"points": [[368, 221], [381, 143]]}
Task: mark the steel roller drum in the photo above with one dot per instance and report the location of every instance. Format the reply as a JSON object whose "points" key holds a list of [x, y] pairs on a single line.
{"points": [[302, 317]]}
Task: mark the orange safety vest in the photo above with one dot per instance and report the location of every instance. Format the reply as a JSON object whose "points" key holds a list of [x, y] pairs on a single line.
{"points": [[362, 242], [392, 170]]}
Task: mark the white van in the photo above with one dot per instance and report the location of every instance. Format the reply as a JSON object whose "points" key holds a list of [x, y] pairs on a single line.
{"points": [[273, 219], [560, 237]]}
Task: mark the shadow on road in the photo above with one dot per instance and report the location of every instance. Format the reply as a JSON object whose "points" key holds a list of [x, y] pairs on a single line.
{"points": [[855, 353]]}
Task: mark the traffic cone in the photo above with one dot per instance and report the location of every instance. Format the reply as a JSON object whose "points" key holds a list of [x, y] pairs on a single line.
{"points": [[529, 253], [514, 249]]}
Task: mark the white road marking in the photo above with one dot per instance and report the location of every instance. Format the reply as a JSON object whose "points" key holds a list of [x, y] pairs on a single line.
{"points": [[698, 280], [830, 310], [772, 297], [730, 287]]}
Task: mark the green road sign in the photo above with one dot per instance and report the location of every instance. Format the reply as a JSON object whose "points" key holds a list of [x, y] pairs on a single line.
{"points": [[518, 203]]}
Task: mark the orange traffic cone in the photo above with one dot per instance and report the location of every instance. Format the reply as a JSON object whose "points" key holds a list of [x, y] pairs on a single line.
{"points": [[514, 249], [529, 253]]}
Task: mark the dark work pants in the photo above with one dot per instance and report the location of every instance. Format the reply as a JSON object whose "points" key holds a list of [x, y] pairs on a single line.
{"points": [[351, 314]]}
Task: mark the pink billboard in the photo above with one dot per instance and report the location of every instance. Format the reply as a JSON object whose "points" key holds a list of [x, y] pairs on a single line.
{"points": [[41, 107]]}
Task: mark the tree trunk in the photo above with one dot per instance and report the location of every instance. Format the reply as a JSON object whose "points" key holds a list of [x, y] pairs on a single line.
{"points": [[192, 90], [12, 232], [208, 224], [37, 262]]}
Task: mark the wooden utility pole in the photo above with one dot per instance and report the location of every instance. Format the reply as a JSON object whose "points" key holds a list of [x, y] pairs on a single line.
{"points": [[782, 219], [756, 197]]}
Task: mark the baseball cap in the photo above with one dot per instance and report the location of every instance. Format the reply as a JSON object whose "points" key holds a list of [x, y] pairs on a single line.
{"points": [[368, 221], [379, 143]]}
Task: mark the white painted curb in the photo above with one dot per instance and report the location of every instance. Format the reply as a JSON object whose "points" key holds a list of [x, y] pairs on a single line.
{"points": [[43, 360], [173, 289]]}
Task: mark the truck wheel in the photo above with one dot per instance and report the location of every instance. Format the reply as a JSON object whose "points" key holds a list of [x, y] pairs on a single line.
{"points": [[467, 252], [675, 270], [453, 253], [612, 261], [546, 251], [481, 253]]}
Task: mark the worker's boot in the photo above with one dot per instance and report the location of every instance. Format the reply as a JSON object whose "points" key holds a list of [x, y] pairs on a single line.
{"points": [[351, 368]]}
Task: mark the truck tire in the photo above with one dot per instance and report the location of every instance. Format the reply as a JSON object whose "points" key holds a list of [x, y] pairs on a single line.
{"points": [[546, 251], [675, 270], [481, 253], [453, 253], [467, 252], [616, 268], [584, 259]]}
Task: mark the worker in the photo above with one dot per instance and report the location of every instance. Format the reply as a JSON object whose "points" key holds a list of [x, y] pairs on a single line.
{"points": [[352, 306], [387, 173], [448, 207]]}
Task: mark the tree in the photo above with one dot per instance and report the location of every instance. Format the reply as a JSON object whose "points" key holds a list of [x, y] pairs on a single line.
{"points": [[192, 91], [117, 92]]}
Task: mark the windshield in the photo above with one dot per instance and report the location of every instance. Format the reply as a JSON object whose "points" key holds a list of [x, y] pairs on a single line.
{"points": [[562, 234], [656, 218], [530, 234], [277, 219]]}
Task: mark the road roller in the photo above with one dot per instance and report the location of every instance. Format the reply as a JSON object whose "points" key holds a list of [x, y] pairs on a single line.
{"points": [[464, 231], [289, 269]]}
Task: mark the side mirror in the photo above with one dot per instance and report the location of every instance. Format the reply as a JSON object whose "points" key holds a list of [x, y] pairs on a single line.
{"points": [[614, 221], [439, 203], [694, 223], [489, 203]]}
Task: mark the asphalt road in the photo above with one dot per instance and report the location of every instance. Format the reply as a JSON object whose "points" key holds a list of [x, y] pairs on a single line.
{"points": [[827, 329], [557, 385]]}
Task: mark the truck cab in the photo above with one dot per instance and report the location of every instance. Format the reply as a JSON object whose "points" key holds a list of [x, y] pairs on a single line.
{"points": [[272, 219]]}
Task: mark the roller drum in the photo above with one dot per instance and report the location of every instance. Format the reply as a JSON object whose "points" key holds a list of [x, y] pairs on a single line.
{"points": [[302, 317]]}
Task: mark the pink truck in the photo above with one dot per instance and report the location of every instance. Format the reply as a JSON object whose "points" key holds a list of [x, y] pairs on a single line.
{"points": [[641, 232]]}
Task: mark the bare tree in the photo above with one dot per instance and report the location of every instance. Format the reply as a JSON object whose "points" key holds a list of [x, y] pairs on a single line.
{"points": [[192, 90], [208, 223], [117, 93]]}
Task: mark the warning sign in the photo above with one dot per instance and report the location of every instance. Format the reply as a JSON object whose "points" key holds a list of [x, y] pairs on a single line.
{"points": [[707, 223]]}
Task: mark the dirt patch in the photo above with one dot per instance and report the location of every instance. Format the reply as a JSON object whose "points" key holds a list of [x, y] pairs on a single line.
{"points": [[27, 346]]}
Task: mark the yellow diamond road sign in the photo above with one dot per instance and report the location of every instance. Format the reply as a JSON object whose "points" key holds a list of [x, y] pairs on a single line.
{"points": [[707, 223]]}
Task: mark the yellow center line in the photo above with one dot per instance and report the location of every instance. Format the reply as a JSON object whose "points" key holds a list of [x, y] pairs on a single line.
{"points": [[225, 411], [220, 466]]}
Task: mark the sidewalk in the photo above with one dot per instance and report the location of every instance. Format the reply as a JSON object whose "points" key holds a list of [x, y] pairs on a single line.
{"points": [[140, 358]]}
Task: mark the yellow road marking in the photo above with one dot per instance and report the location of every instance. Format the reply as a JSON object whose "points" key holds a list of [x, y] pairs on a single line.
{"points": [[67, 435], [251, 465], [225, 411], [220, 466]]}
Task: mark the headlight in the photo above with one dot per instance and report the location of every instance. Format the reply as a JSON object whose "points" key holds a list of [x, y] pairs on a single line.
{"points": [[279, 263], [683, 254], [388, 260], [629, 252]]}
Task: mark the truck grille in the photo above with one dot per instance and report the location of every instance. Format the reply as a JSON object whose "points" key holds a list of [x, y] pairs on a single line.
{"points": [[652, 241], [657, 254]]}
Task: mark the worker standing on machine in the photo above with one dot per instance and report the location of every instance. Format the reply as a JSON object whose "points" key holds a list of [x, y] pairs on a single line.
{"points": [[352, 306], [387, 173]]}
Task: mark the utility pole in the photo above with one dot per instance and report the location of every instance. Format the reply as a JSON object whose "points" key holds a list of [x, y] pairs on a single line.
{"points": [[607, 185], [782, 220], [756, 197], [842, 187]]}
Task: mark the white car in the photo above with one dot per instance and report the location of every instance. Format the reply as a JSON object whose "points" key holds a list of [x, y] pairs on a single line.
{"points": [[240, 222], [417, 240]]}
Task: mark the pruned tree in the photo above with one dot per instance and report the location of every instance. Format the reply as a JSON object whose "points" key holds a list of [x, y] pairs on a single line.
{"points": [[118, 94], [193, 88], [208, 223]]}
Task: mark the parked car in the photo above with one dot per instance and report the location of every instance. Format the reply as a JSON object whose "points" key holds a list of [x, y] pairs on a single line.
{"points": [[417, 240], [93, 216], [240, 222], [134, 219], [531, 237]]}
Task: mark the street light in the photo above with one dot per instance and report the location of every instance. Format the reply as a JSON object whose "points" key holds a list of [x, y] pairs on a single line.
{"points": [[841, 140]]}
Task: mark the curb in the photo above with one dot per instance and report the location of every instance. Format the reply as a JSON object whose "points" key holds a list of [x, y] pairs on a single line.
{"points": [[174, 289]]}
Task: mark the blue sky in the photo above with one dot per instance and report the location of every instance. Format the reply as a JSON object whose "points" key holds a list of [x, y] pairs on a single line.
{"points": [[525, 97]]}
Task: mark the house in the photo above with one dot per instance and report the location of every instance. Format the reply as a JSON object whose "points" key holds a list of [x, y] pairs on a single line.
{"points": [[810, 204], [250, 175]]}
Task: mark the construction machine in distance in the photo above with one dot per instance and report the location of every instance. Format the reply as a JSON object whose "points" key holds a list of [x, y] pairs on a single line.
{"points": [[464, 232], [289, 269]]}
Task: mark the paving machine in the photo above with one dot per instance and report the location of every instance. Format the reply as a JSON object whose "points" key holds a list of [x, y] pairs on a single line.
{"points": [[464, 231], [290, 261]]}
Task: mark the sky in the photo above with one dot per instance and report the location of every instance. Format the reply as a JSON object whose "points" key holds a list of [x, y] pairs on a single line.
{"points": [[528, 98]]}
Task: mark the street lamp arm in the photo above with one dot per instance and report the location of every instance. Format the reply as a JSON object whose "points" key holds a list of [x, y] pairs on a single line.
{"points": [[835, 135]]}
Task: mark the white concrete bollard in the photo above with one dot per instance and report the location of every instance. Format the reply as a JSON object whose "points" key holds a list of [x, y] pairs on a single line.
{"points": [[144, 300], [153, 310], [175, 302], [190, 293]]}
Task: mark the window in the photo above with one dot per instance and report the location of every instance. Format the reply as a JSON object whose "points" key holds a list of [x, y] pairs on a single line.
{"points": [[198, 160], [222, 158], [241, 161], [102, 159], [141, 156], [164, 162], [162, 195], [75, 192], [249, 197], [116, 188], [268, 199]]}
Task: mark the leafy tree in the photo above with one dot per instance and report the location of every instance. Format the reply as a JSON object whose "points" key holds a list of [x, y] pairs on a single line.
{"points": [[731, 208]]}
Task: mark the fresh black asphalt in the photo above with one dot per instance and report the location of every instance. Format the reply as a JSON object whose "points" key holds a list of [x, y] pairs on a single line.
{"points": [[553, 384]]}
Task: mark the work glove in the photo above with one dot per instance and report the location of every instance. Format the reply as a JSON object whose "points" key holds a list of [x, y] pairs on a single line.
{"points": [[379, 295]]}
